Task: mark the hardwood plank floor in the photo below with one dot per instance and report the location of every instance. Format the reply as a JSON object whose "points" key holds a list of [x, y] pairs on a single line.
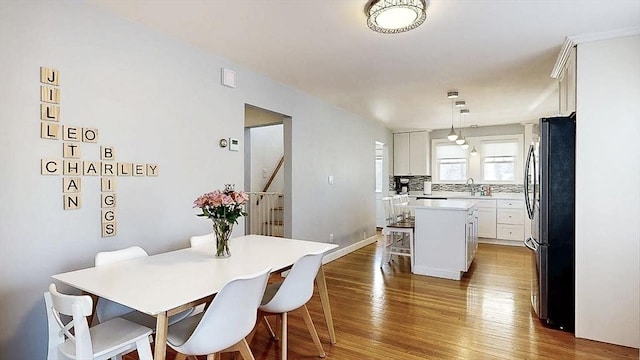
{"points": [[390, 313]]}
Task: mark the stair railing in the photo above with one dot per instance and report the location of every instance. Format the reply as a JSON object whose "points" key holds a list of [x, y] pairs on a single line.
{"points": [[265, 213]]}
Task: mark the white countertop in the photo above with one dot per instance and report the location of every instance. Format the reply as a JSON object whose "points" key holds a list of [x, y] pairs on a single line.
{"points": [[466, 195], [456, 204]]}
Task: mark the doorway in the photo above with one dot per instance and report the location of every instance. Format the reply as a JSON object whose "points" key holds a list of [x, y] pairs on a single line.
{"points": [[266, 176], [380, 183]]}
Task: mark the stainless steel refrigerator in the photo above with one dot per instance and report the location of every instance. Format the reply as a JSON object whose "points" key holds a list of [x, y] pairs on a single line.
{"points": [[550, 199]]}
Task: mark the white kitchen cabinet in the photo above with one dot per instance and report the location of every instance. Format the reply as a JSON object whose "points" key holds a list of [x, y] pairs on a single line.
{"points": [[567, 85], [411, 153], [510, 220], [487, 219], [446, 237], [472, 235]]}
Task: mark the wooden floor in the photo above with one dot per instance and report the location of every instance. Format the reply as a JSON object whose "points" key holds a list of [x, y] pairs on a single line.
{"points": [[389, 313]]}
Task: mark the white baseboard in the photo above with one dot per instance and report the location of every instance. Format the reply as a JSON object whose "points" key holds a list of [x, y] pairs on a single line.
{"points": [[349, 249], [500, 242]]}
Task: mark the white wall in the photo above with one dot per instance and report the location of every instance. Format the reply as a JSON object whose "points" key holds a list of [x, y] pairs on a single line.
{"points": [[608, 191], [267, 147], [155, 100]]}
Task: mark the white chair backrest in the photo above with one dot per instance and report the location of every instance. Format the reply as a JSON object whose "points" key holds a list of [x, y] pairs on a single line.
{"points": [[56, 337], [202, 239], [404, 199], [387, 205], [230, 317], [78, 307], [297, 287], [110, 257], [106, 309]]}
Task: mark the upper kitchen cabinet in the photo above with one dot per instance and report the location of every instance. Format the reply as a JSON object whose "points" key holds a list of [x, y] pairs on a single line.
{"points": [[567, 82], [411, 153]]}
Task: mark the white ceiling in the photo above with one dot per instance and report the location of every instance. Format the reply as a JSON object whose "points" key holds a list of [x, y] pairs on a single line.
{"points": [[497, 53]]}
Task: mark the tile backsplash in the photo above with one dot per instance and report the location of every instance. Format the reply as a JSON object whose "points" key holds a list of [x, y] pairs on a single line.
{"points": [[416, 183]]}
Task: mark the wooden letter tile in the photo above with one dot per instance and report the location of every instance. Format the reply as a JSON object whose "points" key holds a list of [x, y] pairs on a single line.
{"points": [[71, 185], [152, 169], [70, 151], [50, 112], [108, 168], [108, 200], [108, 184], [50, 167], [124, 169], [107, 153], [49, 130], [89, 135], [72, 201], [71, 167], [49, 76], [109, 229], [49, 94], [71, 133], [91, 168], [108, 215], [139, 169]]}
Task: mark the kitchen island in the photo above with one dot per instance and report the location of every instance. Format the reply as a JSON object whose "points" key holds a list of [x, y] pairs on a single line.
{"points": [[446, 237]]}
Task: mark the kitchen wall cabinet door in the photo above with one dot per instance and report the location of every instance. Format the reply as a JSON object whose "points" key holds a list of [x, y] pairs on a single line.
{"points": [[411, 153], [401, 154], [567, 85]]}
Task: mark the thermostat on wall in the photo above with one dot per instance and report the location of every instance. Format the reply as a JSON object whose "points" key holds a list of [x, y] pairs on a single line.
{"points": [[234, 144]]}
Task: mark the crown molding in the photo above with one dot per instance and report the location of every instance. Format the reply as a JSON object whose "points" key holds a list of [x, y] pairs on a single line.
{"points": [[571, 41]]}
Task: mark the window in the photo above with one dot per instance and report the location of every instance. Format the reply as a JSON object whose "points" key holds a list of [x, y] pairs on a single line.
{"points": [[499, 160], [451, 161]]}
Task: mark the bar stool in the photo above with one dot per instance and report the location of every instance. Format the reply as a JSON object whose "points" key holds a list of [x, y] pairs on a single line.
{"points": [[395, 234]]}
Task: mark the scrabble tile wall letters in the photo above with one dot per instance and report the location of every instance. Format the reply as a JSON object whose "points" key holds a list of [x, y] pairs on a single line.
{"points": [[73, 165]]}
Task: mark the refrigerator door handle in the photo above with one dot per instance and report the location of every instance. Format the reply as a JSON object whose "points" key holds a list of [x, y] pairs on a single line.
{"points": [[527, 170], [530, 244]]}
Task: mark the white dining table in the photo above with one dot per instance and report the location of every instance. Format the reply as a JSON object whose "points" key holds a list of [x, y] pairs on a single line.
{"points": [[165, 284]]}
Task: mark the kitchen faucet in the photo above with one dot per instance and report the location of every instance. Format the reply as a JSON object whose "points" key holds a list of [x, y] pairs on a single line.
{"points": [[473, 193]]}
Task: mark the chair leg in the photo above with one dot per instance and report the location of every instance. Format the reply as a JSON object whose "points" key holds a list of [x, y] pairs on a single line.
{"points": [[144, 349], [243, 347], [283, 341], [312, 330], [269, 328]]}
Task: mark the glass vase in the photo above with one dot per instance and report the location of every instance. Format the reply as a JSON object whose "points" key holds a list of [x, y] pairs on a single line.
{"points": [[222, 229]]}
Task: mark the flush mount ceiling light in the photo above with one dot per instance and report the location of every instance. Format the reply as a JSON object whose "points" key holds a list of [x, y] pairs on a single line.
{"points": [[395, 16]]}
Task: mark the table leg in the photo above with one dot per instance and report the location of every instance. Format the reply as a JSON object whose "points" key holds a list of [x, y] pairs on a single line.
{"points": [[326, 307], [162, 325]]}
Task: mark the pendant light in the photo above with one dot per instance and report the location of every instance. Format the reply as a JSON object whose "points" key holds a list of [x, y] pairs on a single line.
{"points": [[461, 140], [474, 152], [452, 134]]}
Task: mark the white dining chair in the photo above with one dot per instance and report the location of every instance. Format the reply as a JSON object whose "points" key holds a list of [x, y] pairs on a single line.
{"points": [[226, 322], [73, 339], [293, 293], [197, 240], [107, 309], [398, 235]]}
